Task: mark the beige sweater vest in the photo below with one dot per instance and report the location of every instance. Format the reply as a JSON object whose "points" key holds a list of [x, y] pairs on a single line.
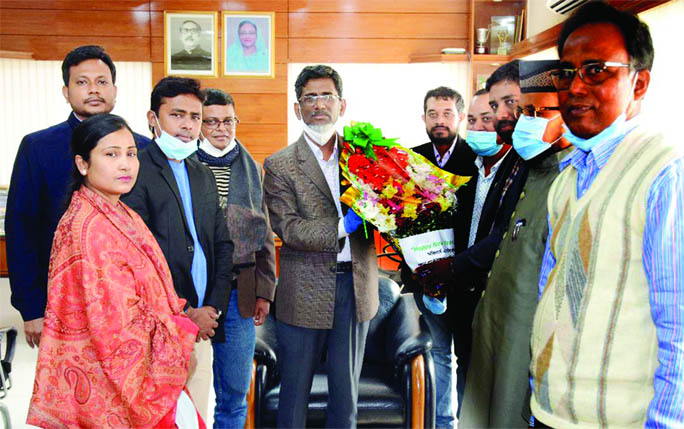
{"points": [[594, 345]]}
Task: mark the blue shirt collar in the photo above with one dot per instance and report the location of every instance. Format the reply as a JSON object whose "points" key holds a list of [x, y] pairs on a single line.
{"points": [[600, 153]]}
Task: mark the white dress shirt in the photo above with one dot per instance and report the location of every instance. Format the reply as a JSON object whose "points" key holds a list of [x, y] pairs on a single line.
{"points": [[331, 172], [484, 182]]}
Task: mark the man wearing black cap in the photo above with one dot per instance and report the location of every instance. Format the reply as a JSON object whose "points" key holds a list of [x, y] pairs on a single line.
{"points": [[497, 388]]}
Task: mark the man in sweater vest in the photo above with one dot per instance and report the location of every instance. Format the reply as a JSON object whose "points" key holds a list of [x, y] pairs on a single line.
{"points": [[607, 335]]}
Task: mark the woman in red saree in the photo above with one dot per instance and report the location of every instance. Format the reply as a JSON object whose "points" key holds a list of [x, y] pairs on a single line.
{"points": [[115, 348]]}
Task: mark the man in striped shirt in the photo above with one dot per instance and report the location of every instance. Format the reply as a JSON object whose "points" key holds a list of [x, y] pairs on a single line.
{"points": [[607, 337]]}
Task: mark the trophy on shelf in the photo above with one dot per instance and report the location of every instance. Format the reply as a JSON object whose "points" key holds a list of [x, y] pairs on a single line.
{"points": [[502, 35], [482, 34]]}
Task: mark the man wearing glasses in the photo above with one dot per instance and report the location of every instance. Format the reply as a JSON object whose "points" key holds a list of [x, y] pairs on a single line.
{"points": [[238, 182], [607, 336], [192, 56], [497, 388], [328, 285]]}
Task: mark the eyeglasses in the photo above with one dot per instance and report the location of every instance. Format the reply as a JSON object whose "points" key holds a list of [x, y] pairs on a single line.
{"points": [[213, 123], [190, 30], [532, 111], [591, 73], [310, 100]]}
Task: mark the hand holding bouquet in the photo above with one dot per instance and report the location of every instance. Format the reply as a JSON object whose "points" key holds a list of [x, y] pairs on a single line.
{"points": [[408, 199]]}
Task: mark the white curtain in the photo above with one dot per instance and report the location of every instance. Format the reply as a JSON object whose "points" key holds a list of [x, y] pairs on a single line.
{"points": [[32, 100], [390, 96]]}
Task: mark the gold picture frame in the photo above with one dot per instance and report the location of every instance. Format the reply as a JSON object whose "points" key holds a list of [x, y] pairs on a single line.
{"points": [[191, 43], [245, 31]]}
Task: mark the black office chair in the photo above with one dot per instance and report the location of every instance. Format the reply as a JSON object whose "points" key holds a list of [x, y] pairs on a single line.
{"points": [[8, 336], [397, 379]]}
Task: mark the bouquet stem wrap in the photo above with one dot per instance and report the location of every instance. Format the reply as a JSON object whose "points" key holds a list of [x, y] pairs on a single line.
{"points": [[407, 198]]}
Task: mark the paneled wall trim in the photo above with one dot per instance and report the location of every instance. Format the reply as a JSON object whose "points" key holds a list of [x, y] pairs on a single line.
{"points": [[307, 31]]}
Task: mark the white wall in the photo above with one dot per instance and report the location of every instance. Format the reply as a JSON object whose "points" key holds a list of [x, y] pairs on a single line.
{"points": [[32, 100], [540, 17], [390, 96], [665, 90]]}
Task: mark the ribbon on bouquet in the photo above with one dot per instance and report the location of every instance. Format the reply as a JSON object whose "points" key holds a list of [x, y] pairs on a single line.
{"points": [[364, 136]]}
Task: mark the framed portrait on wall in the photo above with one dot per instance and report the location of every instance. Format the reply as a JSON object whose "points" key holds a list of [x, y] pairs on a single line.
{"points": [[191, 43], [248, 44]]}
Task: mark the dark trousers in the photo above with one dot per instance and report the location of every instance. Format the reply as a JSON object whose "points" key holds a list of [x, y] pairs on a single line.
{"points": [[300, 351]]}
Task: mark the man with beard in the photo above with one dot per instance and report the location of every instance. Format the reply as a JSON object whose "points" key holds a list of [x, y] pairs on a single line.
{"points": [[442, 114], [443, 111], [485, 206], [497, 390], [328, 286], [40, 178], [192, 56]]}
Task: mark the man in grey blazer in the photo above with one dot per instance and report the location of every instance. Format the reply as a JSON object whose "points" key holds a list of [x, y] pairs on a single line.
{"points": [[328, 286]]}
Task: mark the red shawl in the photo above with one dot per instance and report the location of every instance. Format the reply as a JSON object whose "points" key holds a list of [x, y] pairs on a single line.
{"points": [[115, 346]]}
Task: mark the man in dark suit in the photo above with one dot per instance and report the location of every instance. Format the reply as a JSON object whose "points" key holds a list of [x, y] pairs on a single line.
{"points": [[176, 197], [485, 205], [328, 287], [40, 179], [443, 111], [192, 56]]}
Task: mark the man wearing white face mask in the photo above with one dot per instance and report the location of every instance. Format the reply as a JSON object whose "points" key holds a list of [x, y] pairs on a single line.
{"points": [[497, 390], [176, 196], [607, 335], [328, 285]]}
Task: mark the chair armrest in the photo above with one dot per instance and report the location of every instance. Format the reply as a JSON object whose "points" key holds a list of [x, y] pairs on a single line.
{"points": [[264, 354], [11, 334], [418, 344]]}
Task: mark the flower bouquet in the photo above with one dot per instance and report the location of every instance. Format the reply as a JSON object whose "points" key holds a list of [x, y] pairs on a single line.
{"points": [[407, 198]]}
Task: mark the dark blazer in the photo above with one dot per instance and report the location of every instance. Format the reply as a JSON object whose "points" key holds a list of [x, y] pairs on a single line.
{"points": [[471, 264], [35, 203], [157, 200], [304, 216], [462, 163]]}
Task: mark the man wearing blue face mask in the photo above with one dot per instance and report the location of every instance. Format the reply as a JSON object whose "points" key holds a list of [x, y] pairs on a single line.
{"points": [[176, 196], [607, 335], [497, 391]]}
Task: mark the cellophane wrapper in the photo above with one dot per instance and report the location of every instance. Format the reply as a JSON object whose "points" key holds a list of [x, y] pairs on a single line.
{"points": [[408, 199]]}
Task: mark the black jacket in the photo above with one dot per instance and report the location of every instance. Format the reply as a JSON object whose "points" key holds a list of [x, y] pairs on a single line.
{"points": [[157, 200], [462, 163]]}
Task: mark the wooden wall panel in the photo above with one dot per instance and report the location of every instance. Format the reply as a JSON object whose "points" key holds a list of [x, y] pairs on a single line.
{"points": [[157, 24], [74, 23], [379, 25], [232, 5], [139, 5], [56, 47], [261, 109], [157, 50], [365, 50], [278, 85], [397, 6]]}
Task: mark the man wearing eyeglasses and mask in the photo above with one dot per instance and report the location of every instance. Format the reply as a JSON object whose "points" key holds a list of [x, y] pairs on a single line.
{"points": [[497, 389], [238, 182], [176, 196], [607, 335], [328, 285]]}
